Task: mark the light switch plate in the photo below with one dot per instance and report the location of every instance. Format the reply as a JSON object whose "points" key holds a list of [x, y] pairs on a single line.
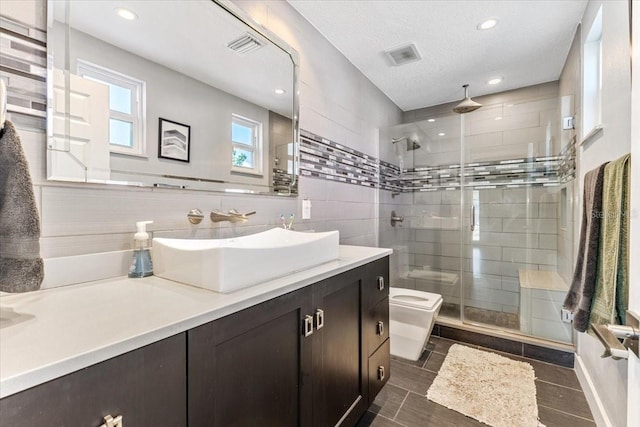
{"points": [[306, 209]]}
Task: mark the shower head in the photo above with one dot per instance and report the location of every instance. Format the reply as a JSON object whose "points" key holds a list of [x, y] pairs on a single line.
{"points": [[412, 144], [467, 105]]}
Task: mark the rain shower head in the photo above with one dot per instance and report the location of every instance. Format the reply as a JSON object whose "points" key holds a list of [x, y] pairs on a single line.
{"points": [[412, 144], [467, 105]]}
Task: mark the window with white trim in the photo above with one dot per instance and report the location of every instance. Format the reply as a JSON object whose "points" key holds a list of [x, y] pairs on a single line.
{"points": [[246, 139], [127, 128], [592, 76]]}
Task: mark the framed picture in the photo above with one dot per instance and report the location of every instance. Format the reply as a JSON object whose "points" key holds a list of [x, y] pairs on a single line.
{"points": [[174, 140]]}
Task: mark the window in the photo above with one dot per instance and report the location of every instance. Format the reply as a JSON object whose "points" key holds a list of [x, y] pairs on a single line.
{"points": [[126, 105], [592, 76], [246, 137]]}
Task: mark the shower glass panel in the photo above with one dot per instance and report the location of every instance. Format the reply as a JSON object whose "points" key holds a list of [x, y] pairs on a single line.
{"points": [[487, 199]]}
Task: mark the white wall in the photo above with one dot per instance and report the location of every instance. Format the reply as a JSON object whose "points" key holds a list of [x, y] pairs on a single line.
{"points": [[609, 377], [633, 398], [337, 102]]}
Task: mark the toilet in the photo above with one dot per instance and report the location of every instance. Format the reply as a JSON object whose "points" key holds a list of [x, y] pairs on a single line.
{"points": [[412, 315]]}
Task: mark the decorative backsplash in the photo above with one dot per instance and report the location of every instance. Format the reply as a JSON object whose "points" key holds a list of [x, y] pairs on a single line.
{"points": [[325, 159]]}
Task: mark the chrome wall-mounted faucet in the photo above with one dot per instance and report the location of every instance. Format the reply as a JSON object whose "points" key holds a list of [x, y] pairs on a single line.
{"points": [[231, 216], [195, 216]]}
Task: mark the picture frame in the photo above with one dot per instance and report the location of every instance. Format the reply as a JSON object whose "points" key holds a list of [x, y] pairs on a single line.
{"points": [[174, 140]]}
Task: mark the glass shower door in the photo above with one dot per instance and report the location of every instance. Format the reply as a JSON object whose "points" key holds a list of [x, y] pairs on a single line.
{"points": [[514, 273]]}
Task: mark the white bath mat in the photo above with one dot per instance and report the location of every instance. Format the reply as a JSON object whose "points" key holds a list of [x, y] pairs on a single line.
{"points": [[492, 389]]}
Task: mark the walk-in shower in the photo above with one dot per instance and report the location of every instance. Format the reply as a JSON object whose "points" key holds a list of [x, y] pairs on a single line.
{"points": [[487, 206]]}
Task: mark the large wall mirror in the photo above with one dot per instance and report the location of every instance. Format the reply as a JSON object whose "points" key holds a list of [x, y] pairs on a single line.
{"points": [[189, 94]]}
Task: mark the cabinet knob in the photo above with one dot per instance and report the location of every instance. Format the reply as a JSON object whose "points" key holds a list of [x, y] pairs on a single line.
{"points": [[380, 373], [319, 318], [380, 327], [109, 421], [308, 325], [380, 283]]}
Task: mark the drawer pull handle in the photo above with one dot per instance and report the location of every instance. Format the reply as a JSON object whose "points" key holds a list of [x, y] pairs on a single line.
{"points": [[380, 327], [308, 325], [109, 421], [380, 283], [380, 373], [319, 318]]}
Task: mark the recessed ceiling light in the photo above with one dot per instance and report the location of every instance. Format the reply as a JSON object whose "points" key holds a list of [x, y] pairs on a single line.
{"points": [[280, 91], [495, 81], [441, 134], [487, 24], [498, 118], [431, 120], [126, 14]]}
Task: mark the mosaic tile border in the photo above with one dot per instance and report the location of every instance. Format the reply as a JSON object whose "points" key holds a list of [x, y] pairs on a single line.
{"points": [[23, 67], [325, 159]]}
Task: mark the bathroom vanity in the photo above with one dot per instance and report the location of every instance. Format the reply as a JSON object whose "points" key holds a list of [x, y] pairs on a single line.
{"points": [[309, 349]]}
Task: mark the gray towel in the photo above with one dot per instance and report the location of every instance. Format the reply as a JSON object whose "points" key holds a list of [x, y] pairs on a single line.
{"points": [[580, 295], [21, 268]]}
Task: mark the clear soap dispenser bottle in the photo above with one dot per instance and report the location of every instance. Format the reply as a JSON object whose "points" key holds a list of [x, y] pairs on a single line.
{"points": [[141, 265]]}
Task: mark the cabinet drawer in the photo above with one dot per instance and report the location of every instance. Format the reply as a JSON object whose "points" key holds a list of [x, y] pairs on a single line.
{"points": [[147, 387], [377, 325], [379, 370], [376, 282]]}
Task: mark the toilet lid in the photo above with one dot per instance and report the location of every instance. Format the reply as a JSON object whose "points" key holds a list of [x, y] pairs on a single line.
{"points": [[413, 298]]}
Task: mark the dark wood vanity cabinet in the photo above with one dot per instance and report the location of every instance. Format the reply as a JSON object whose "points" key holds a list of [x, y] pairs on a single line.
{"points": [[253, 368], [339, 351], [376, 326], [314, 357], [301, 359], [147, 387]]}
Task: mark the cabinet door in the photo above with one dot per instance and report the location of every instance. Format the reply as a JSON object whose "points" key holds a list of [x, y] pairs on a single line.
{"points": [[252, 368], [147, 387], [339, 358]]}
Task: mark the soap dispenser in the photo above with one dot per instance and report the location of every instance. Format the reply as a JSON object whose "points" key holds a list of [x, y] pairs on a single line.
{"points": [[141, 265]]}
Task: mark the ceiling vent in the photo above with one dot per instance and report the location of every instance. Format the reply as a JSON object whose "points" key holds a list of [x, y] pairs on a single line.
{"points": [[245, 44], [403, 54]]}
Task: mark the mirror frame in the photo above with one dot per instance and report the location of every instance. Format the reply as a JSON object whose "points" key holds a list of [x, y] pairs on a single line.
{"points": [[242, 16]]}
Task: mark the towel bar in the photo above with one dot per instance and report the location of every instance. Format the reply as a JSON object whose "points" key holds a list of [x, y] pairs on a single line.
{"points": [[609, 336]]}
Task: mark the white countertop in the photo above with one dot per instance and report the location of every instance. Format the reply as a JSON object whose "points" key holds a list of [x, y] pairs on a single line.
{"points": [[50, 333]]}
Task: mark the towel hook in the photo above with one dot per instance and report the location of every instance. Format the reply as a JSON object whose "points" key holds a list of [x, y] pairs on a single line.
{"points": [[3, 103]]}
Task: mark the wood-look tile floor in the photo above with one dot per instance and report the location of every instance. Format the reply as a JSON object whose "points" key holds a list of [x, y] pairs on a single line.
{"points": [[402, 402]]}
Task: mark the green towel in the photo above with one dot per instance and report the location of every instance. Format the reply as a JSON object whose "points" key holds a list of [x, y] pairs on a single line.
{"points": [[612, 284]]}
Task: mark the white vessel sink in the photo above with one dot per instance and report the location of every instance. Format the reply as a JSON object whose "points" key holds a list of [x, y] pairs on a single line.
{"points": [[225, 265]]}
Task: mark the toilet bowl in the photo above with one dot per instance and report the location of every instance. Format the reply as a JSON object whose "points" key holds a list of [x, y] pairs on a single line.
{"points": [[412, 315]]}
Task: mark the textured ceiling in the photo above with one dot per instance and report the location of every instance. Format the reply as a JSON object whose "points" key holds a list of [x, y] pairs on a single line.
{"points": [[528, 46]]}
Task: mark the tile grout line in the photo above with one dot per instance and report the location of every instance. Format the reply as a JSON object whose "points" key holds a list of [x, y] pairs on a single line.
{"points": [[401, 405], [566, 413], [559, 385]]}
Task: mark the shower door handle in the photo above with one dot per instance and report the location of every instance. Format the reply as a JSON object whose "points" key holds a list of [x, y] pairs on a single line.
{"points": [[473, 217]]}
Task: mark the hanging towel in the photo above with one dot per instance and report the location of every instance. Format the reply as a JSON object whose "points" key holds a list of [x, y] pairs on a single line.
{"points": [[580, 295], [21, 268], [612, 284]]}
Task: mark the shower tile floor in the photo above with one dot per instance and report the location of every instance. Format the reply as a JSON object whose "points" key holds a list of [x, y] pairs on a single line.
{"points": [[402, 402], [480, 315]]}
